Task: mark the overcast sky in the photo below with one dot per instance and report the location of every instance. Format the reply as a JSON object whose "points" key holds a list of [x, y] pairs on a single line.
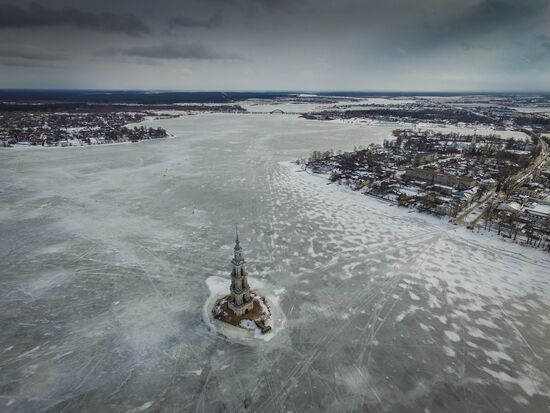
{"points": [[368, 45]]}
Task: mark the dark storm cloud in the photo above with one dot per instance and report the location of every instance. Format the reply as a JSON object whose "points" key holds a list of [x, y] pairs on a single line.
{"points": [[38, 16], [544, 41], [171, 51], [28, 53], [269, 5], [472, 26], [487, 17], [24, 63], [498, 13], [278, 44], [185, 21], [29, 56]]}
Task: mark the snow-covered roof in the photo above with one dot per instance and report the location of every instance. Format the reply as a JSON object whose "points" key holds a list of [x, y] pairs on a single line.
{"points": [[510, 206], [538, 209]]}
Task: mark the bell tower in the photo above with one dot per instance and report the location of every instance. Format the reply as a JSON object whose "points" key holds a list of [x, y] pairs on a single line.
{"points": [[240, 301]]}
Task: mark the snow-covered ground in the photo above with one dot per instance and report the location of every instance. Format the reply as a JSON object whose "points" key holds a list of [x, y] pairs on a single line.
{"points": [[106, 252], [266, 106]]}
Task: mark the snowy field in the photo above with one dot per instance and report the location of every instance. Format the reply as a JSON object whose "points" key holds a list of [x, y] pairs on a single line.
{"points": [[266, 106], [106, 252]]}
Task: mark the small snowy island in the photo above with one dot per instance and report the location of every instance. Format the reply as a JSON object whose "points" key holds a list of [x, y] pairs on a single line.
{"points": [[242, 307]]}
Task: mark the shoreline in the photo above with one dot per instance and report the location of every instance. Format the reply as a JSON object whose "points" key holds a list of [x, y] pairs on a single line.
{"points": [[479, 235], [40, 147]]}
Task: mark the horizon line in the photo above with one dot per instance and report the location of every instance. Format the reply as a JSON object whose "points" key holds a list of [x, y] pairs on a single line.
{"points": [[285, 91]]}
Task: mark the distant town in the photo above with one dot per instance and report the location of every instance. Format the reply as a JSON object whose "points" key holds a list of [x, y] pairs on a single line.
{"points": [[67, 124]]}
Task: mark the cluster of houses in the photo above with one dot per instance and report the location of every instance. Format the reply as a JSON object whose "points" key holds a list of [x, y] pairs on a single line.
{"points": [[525, 214], [439, 173], [445, 174], [72, 129]]}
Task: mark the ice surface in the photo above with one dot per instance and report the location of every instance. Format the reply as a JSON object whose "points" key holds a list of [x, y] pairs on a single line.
{"points": [[106, 250]]}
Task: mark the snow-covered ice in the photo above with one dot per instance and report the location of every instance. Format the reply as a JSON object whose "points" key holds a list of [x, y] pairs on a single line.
{"points": [[106, 252]]}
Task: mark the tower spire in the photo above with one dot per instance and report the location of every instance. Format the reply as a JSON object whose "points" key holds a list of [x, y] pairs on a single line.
{"points": [[237, 242]]}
